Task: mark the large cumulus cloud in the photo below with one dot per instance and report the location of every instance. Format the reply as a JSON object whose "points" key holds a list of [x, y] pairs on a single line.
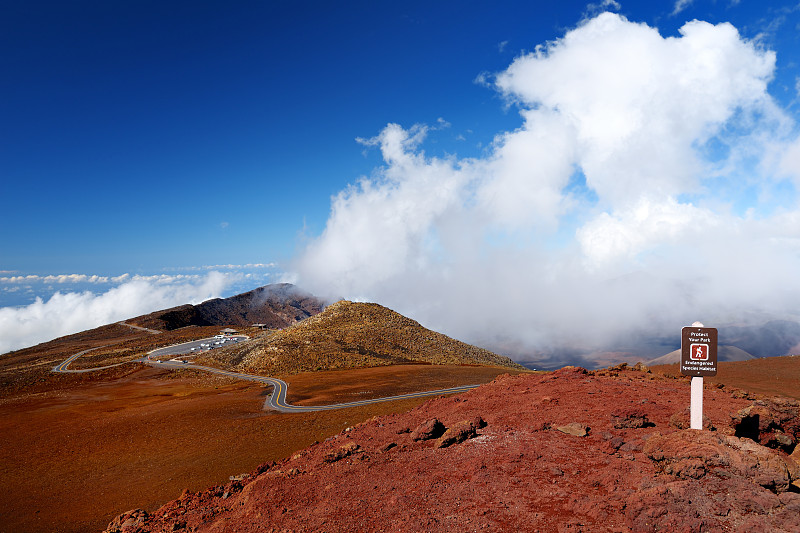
{"points": [[652, 182]]}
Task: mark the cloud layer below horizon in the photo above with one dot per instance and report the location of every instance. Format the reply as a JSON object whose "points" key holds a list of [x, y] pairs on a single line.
{"points": [[70, 312], [652, 182]]}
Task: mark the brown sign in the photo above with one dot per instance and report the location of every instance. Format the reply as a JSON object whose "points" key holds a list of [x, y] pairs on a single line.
{"points": [[698, 351]]}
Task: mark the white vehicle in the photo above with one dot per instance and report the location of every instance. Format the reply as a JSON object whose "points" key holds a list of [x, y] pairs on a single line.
{"points": [[219, 336]]}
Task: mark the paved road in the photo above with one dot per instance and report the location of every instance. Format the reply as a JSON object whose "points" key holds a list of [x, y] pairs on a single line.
{"points": [[63, 367], [140, 328], [277, 399], [278, 402], [185, 348]]}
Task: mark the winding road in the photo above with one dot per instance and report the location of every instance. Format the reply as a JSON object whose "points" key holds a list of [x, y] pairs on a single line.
{"points": [[277, 399], [63, 367]]}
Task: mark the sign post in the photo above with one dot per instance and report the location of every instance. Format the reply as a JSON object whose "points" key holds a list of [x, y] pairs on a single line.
{"points": [[698, 359]]}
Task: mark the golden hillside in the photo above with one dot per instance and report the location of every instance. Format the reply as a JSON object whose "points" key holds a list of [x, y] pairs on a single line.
{"points": [[353, 335]]}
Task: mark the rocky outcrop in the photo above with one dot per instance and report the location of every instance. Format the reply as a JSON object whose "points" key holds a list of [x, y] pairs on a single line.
{"points": [[430, 429], [128, 522], [630, 417], [773, 422], [715, 482], [460, 431], [346, 450], [691, 454]]}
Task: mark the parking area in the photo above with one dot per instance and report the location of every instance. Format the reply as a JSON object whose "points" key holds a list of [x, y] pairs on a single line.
{"points": [[188, 349]]}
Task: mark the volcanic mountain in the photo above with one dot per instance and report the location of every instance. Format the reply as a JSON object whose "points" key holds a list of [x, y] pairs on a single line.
{"points": [[724, 353], [275, 306], [352, 335]]}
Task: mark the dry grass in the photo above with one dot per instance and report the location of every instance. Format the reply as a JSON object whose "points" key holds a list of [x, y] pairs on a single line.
{"points": [[353, 335]]}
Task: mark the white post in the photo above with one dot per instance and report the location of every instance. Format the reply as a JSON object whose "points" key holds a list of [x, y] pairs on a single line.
{"points": [[697, 403]]}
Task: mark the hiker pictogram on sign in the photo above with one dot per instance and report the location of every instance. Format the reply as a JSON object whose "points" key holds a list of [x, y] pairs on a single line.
{"points": [[699, 352]]}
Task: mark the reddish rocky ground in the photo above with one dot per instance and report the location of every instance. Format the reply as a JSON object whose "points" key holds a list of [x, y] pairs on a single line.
{"points": [[78, 449], [567, 451], [770, 376]]}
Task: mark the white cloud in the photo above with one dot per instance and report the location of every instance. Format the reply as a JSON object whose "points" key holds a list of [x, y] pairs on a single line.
{"points": [[593, 9], [680, 5], [624, 235], [71, 312], [789, 163], [644, 175], [386, 224], [57, 278], [639, 116], [521, 183], [100, 279], [94, 279]]}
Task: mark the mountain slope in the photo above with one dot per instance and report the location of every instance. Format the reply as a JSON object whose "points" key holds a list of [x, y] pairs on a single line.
{"points": [[774, 338], [724, 353], [352, 335], [276, 306]]}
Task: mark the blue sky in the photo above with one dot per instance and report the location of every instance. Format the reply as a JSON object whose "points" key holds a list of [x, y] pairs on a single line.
{"points": [[162, 141]]}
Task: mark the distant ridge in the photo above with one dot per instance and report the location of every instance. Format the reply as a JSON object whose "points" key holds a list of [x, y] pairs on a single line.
{"points": [[275, 306], [724, 353], [352, 335]]}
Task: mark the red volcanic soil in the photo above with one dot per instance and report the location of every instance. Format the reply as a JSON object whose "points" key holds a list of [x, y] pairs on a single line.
{"points": [[770, 376], [561, 452], [82, 448]]}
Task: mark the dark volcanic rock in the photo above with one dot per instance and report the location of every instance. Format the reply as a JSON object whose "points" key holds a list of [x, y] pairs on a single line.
{"points": [[275, 306], [430, 429], [630, 418], [459, 432]]}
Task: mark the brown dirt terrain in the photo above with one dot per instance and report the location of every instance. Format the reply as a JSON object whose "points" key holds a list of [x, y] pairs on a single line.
{"points": [[566, 451], [771, 376], [94, 445]]}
